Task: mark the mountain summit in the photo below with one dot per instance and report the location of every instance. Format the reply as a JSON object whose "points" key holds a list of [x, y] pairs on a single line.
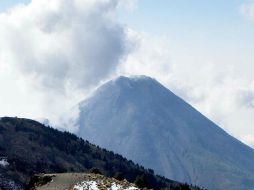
{"points": [[144, 121]]}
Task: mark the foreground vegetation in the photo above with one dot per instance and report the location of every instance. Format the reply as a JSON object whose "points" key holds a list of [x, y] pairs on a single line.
{"points": [[31, 148]]}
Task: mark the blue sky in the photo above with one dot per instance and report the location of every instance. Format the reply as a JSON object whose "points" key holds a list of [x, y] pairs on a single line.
{"points": [[214, 28], [188, 17], [5, 4], [201, 50], [191, 13], [218, 24]]}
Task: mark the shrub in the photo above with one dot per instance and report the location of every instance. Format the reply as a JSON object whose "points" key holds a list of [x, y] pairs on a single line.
{"points": [[95, 171], [119, 176]]}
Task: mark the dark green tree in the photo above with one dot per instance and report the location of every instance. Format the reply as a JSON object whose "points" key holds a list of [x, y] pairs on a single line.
{"points": [[119, 176], [141, 181], [95, 171]]}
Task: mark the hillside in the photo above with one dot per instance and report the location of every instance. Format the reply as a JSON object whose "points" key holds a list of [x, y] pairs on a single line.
{"points": [[142, 120], [79, 181], [30, 148]]}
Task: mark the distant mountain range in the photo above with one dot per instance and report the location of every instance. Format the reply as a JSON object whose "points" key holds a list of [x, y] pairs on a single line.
{"points": [[145, 122], [28, 147]]}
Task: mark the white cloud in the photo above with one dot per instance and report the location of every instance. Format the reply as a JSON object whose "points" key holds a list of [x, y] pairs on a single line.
{"points": [[247, 9], [222, 95], [61, 42], [249, 139], [129, 4], [150, 56], [227, 100], [52, 51], [217, 91]]}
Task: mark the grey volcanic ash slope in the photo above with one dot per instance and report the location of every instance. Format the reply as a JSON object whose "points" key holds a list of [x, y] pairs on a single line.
{"points": [[142, 120]]}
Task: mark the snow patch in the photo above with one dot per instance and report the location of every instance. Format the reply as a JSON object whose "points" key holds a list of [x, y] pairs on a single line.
{"points": [[4, 162], [115, 186], [86, 185], [93, 185]]}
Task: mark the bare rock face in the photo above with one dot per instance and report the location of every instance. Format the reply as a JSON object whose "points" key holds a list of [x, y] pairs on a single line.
{"points": [[145, 122]]}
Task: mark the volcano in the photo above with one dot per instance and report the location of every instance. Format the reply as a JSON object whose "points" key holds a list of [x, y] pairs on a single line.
{"points": [[142, 120]]}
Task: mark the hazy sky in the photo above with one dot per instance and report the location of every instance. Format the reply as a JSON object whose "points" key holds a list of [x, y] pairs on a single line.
{"points": [[6, 4], [53, 52]]}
